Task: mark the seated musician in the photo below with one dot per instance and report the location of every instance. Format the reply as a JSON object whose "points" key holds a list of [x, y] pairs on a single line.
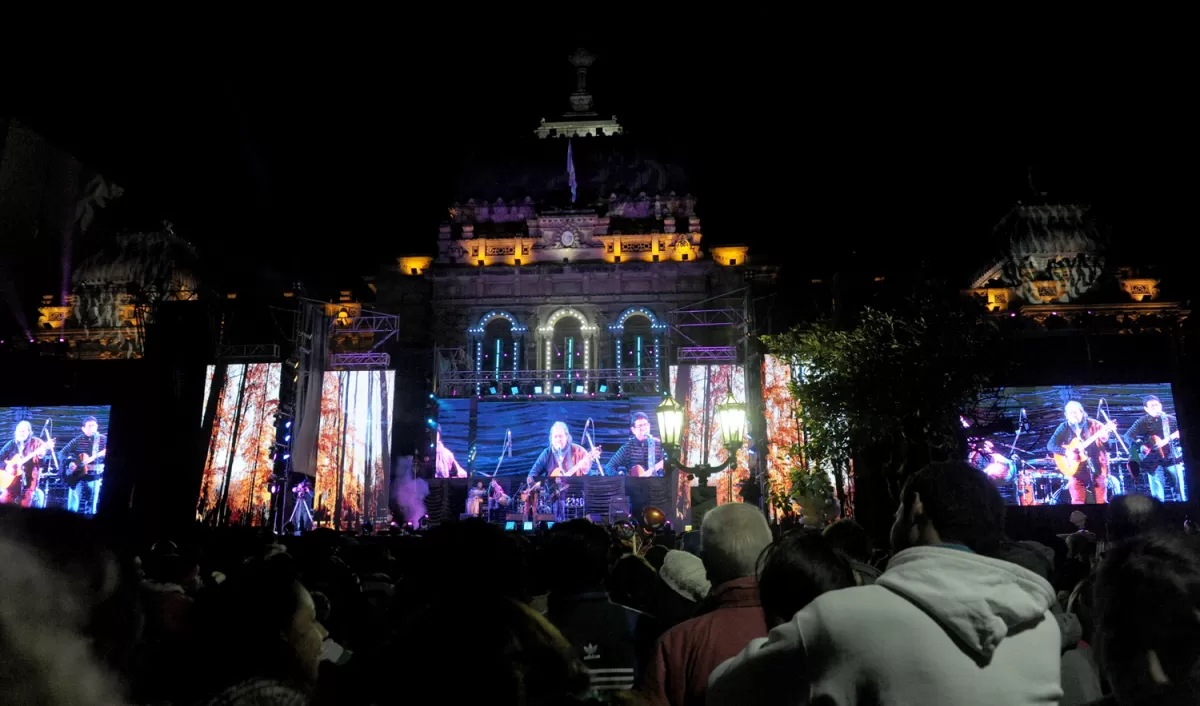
{"points": [[475, 499], [496, 495], [642, 455], [1000, 469]]}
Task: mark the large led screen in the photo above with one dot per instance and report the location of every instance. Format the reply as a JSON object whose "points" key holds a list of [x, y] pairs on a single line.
{"points": [[353, 444], [608, 423], [782, 422], [1080, 444], [700, 389], [54, 457], [235, 487]]}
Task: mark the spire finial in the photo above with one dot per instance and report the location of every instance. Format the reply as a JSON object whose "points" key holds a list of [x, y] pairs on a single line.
{"points": [[581, 100]]}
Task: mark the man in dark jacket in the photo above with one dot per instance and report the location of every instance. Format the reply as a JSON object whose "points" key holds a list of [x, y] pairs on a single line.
{"points": [[613, 641]]}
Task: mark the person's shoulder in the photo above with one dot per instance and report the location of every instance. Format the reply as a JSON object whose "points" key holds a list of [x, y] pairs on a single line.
{"points": [[855, 600]]}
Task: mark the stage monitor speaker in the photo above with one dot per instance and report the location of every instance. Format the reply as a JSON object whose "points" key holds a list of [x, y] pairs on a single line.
{"points": [[595, 519], [545, 517], [514, 517], [468, 516]]}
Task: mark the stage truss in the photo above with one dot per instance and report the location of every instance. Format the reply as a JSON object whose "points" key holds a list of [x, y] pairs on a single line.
{"points": [[722, 311], [252, 353], [379, 327]]}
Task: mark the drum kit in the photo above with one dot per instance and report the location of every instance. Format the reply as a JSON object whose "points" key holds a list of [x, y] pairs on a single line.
{"points": [[1039, 482]]}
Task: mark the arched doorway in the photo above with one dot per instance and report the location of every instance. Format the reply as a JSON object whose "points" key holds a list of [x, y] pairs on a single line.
{"points": [[637, 342]]}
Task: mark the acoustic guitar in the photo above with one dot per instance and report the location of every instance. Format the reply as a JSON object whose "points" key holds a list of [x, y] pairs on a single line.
{"points": [[526, 492], [639, 471], [13, 466], [1068, 463], [87, 464], [1158, 451], [579, 468]]}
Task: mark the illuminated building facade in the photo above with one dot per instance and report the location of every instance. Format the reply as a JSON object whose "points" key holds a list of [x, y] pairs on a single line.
{"points": [[560, 267], [1054, 274]]}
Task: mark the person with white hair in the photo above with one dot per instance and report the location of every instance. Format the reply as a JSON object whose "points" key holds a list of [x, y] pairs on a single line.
{"points": [[563, 457], [732, 538], [20, 464], [1079, 442]]}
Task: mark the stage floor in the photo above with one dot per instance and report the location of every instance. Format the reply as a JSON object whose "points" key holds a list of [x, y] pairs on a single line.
{"points": [[599, 496]]}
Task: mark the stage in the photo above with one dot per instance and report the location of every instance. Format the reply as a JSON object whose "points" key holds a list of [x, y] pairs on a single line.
{"points": [[603, 497]]}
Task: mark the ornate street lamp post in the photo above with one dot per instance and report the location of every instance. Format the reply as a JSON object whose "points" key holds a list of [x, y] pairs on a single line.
{"points": [[731, 418]]}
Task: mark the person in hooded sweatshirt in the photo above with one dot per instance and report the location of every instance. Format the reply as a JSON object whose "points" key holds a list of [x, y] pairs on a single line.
{"points": [[944, 624]]}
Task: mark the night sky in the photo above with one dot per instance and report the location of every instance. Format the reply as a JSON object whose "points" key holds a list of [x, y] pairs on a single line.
{"points": [[299, 158]]}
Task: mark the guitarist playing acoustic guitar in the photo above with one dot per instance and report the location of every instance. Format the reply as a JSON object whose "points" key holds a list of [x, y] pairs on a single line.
{"points": [[1078, 448], [642, 455], [19, 463], [1153, 439], [561, 458], [83, 464]]}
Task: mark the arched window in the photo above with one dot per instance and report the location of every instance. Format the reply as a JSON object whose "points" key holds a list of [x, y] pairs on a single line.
{"points": [[637, 345], [497, 348], [567, 347], [637, 337]]}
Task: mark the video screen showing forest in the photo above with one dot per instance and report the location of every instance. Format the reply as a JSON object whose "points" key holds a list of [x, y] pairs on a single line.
{"points": [[699, 389], [354, 445], [236, 486]]}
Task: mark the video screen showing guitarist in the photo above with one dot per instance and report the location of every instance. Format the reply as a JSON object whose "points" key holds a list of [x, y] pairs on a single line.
{"points": [[22, 459], [1153, 441], [563, 457], [82, 461], [1078, 448], [641, 456]]}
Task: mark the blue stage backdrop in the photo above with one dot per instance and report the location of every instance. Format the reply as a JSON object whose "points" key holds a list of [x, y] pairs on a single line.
{"points": [[1015, 431], [63, 425], [471, 421]]}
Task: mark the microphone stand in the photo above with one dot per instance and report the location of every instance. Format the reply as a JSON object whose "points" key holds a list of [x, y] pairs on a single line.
{"points": [[592, 443], [1102, 409]]}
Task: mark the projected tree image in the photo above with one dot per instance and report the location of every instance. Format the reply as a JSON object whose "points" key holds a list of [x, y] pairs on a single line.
{"points": [[235, 487], [352, 447]]}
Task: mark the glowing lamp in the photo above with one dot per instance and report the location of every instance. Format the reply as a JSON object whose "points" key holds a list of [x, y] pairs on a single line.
{"points": [[732, 417], [670, 421]]}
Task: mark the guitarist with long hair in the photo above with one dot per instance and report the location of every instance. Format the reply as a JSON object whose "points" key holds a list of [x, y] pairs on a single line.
{"points": [[21, 459], [562, 458], [83, 463], [1078, 443]]}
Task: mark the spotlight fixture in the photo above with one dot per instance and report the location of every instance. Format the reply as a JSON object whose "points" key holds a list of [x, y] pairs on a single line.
{"points": [[538, 389], [515, 389], [557, 389], [580, 388]]}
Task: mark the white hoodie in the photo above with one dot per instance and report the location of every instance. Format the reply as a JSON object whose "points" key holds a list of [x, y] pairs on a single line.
{"points": [[940, 626]]}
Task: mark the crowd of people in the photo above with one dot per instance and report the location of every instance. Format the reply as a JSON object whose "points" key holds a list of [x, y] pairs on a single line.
{"points": [[739, 612]]}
